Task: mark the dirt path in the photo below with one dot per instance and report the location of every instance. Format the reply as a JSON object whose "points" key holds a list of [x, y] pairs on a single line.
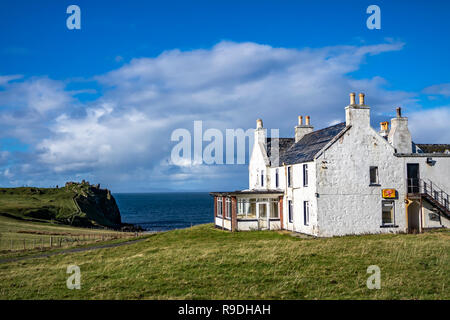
{"points": [[72, 250]]}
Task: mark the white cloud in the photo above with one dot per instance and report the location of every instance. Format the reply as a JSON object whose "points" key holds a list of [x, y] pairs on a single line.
{"points": [[124, 136], [430, 126], [438, 89], [40, 94]]}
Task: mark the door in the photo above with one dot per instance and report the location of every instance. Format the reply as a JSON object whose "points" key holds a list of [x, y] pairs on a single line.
{"points": [[262, 216], [413, 177]]}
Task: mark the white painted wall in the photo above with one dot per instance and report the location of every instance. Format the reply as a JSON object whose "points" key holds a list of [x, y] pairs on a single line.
{"points": [[298, 194], [347, 204], [226, 223]]}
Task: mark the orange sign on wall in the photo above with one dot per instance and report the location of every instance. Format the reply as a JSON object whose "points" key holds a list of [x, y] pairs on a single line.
{"points": [[388, 193]]}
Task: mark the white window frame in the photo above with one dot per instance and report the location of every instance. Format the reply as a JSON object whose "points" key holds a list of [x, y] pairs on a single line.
{"points": [[306, 213], [393, 214], [305, 175], [228, 208], [277, 178], [219, 206], [377, 177], [290, 211], [289, 176], [262, 178]]}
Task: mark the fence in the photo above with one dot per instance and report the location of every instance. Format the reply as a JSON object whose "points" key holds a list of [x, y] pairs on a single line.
{"points": [[58, 241]]}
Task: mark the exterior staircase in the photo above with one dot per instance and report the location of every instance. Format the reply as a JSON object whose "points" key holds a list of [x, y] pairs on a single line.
{"points": [[427, 190]]}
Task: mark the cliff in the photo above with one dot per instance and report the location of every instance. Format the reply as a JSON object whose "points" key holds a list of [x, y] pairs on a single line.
{"points": [[77, 204]]}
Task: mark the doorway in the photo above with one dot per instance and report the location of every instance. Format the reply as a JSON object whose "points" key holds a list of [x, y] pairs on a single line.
{"points": [[263, 223], [412, 171], [414, 218]]}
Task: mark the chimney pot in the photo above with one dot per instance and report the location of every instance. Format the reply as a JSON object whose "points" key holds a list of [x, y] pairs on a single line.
{"points": [[352, 99], [300, 120], [399, 112], [259, 124], [361, 99], [307, 120]]}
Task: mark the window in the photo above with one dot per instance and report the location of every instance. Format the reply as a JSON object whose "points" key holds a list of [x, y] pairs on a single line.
{"points": [[289, 176], [305, 175], [274, 211], [374, 176], [291, 211], [228, 208], [388, 212], [262, 178], [246, 208], [262, 210], [306, 213], [219, 206], [276, 178]]}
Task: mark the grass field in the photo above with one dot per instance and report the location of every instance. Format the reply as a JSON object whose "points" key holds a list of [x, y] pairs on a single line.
{"points": [[22, 237], [203, 262]]}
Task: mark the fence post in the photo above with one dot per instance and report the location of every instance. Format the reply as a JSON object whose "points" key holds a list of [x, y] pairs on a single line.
{"points": [[11, 244], [51, 241]]}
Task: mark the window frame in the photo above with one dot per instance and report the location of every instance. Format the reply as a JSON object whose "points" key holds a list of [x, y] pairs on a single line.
{"points": [[377, 176], [219, 208], [277, 181], [262, 178], [305, 175], [228, 208], [289, 176], [290, 211], [274, 203], [306, 213], [390, 224]]}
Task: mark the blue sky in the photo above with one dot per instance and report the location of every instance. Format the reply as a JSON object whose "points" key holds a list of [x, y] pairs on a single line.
{"points": [[100, 103]]}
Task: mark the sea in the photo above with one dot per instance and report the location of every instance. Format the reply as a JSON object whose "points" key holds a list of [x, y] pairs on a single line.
{"points": [[165, 211]]}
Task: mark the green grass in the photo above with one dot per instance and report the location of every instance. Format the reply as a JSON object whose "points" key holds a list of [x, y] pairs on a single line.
{"points": [[14, 233], [39, 203], [206, 263]]}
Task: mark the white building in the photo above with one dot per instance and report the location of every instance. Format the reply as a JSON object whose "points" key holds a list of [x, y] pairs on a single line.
{"points": [[340, 180]]}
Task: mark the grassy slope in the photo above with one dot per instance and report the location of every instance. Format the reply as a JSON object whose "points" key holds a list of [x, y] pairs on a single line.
{"points": [[38, 203], [52, 204], [35, 232], [203, 262]]}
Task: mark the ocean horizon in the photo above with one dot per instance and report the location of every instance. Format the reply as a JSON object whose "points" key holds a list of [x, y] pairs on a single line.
{"points": [[162, 211]]}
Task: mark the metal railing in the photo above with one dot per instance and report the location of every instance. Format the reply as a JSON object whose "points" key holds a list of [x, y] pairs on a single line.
{"points": [[426, 186]]}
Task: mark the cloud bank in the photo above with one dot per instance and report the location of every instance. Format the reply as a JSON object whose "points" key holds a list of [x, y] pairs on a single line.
{"points": [[122, 139]]}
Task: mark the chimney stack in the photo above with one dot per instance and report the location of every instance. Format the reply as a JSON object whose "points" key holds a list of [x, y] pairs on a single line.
{"points": [[399, 135], [384, 129], [357, 114], [260, 133], [259, 124], [302, 129]]}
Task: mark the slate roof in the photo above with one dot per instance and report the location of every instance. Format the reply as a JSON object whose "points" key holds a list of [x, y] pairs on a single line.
{"points": [[305, 149], [283, 145], [433, 148]]}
